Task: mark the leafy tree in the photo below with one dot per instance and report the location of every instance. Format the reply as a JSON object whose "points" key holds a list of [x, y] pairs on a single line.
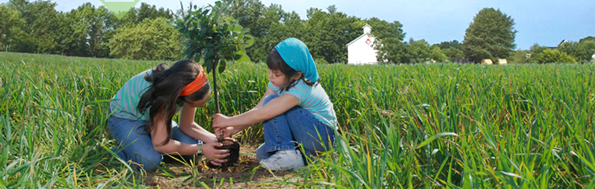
{"points": [[519, 57], [214, 37], [554, 56], [249, 14], [589, 38], [535, 50], [268, 25], [581, 51], [39, 31], [71, 36], [454, 54], [452, 49], [137, 15], [389, 43], [152, 39], [450, 44], [490, 36], [147, 11], [10, 27], [279, 25], [437, 55], [329, 33], [90, 28], [420, 51]]}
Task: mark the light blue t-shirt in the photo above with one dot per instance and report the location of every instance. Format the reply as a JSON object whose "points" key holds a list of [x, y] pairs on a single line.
{"points": [[314, 99]]}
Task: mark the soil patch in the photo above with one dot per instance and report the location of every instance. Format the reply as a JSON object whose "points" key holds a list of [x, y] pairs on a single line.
{"points": [[246, 173]]}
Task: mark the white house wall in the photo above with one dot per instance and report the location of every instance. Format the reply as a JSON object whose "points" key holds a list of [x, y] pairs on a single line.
{"points": [[361, 53]]}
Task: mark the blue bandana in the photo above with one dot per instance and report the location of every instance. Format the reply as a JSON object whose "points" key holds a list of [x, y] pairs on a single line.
{"points": [[295, 53]]}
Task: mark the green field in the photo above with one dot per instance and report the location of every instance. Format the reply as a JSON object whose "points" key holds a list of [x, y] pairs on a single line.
{"points": [[401, 126]]}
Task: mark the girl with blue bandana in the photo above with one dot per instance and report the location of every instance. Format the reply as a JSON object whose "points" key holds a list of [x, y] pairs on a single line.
{"points": [[295, 109]]}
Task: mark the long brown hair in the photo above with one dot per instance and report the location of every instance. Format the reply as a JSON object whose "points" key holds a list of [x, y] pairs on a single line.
{"points": [[162, 96]]}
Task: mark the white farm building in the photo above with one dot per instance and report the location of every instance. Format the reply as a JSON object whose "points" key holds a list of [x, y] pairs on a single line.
{"points": [[361, 50]]}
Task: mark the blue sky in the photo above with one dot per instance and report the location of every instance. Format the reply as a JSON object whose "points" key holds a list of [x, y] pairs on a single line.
{"points": [[545, 22]]}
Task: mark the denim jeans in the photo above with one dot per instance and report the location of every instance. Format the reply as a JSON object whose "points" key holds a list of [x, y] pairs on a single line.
{"points": [[136, 146], [295, 125]]}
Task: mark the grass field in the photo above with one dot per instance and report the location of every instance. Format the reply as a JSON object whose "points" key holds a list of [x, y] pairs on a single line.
{"points": [[411, 126]]}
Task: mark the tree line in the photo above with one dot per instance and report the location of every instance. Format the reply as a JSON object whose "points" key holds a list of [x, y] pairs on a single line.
{"points": [[143, 34]]}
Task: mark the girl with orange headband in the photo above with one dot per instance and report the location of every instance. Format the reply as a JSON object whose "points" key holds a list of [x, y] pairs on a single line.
{"points": [[143, 109]]}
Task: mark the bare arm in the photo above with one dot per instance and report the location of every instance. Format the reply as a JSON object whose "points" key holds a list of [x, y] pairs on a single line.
{"points": [[258, 114], [159, 135], [268, 92], [189, 127]]}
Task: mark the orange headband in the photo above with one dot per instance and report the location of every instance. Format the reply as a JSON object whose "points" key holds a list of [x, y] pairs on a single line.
{"points": [[195, 85]]}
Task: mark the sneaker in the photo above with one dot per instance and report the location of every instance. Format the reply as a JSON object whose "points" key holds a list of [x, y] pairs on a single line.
{"points": [[284, 160]]}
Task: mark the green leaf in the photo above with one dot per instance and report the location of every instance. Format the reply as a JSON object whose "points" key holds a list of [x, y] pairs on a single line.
{"points": [[171, 23], [208, 64], [250, 41], [434, 138], [197, 58], [237, 56], [237, 28], [222, 65], [245, 58]]}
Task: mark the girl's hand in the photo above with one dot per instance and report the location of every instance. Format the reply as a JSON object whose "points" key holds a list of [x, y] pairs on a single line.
{"points": [[215, 155], [227, 132], [220, 121], [231, 139]]}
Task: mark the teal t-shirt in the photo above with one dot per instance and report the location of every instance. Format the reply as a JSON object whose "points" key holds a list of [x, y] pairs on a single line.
{"points": [[314, 99], [126, 99]]}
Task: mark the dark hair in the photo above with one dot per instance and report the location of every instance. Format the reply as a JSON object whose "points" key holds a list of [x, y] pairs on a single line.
{"points": [[162, 96], [276, 62]]}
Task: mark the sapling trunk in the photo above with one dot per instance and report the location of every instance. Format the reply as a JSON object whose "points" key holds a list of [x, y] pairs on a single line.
{"points": [[215, 64], [232, 146]]}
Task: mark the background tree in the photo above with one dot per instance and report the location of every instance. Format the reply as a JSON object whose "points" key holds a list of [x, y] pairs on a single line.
{"points": [[420, 51], [454, 54], [152, 39], [10, 27], [329, 32], [553, 56], [535, 50], [437, 55], [249, 14], [581, 51], [453, 50], [137, 15], [588, 38], [91, 26], [450, 44], [39, 31], [280, 25], [490, 36], [519, 56], [390, 45], [71, 36]]}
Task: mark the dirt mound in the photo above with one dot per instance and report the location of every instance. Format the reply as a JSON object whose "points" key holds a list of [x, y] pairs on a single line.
{"points": [[234, 154]]}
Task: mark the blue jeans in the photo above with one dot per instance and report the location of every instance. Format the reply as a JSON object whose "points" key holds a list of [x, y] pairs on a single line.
{"points": [[136, 146], [295, 125]]}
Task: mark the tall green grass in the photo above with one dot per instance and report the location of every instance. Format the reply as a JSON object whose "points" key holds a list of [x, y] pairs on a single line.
{"points": [[414, 126]]}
